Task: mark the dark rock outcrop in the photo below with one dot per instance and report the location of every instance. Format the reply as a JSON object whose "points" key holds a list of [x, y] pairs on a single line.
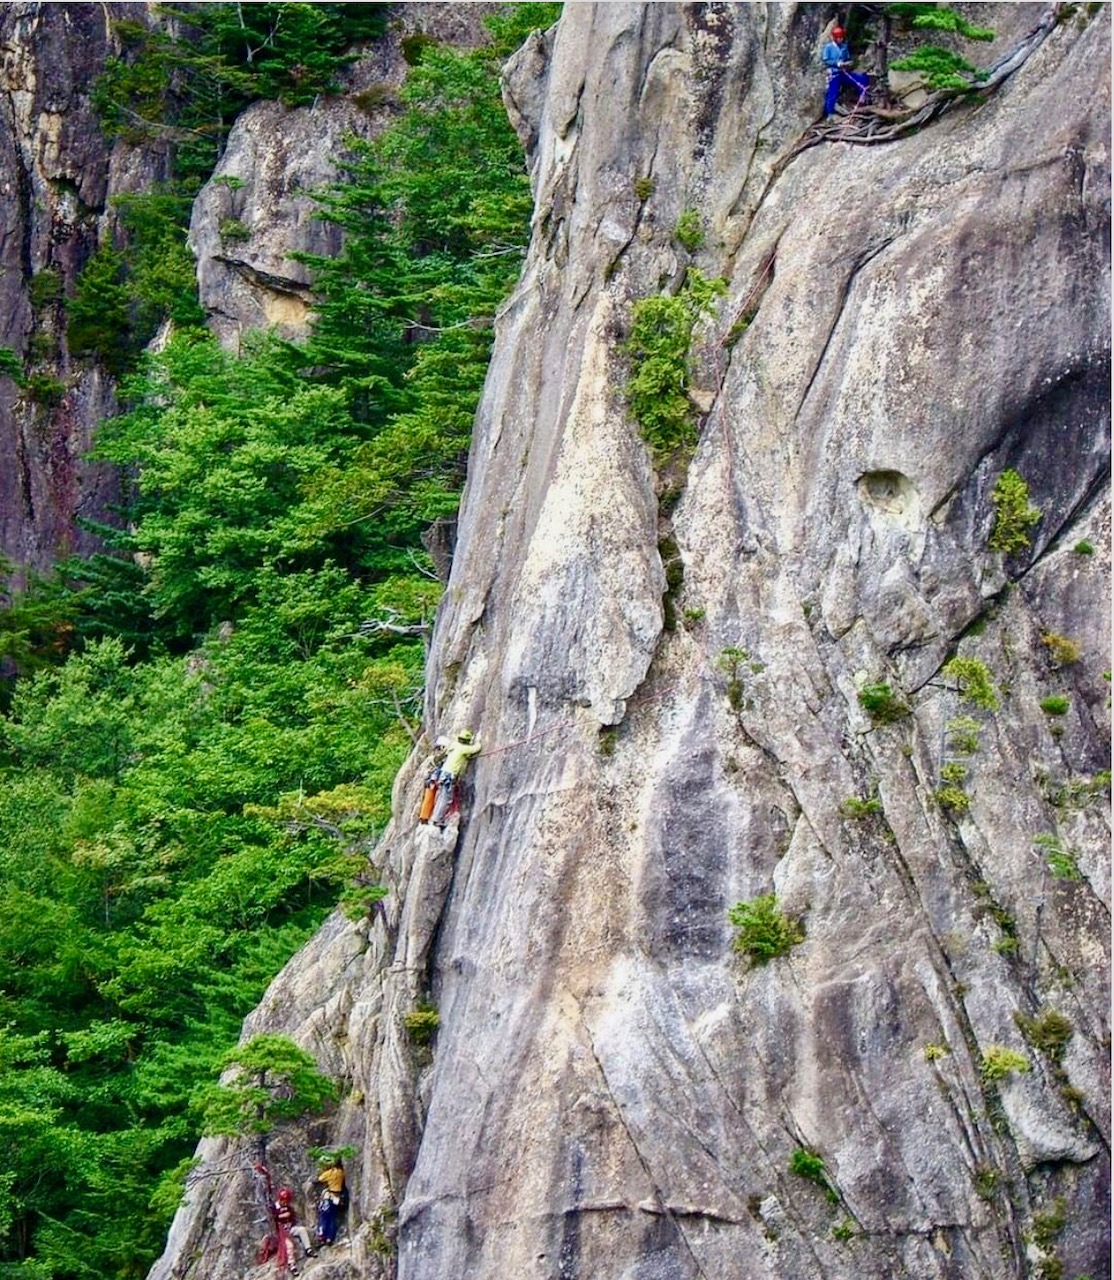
{"points": [[58, 174]]}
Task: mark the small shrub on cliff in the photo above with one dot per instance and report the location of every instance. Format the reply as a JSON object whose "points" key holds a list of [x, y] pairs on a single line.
{"points": [[941, 68], [973, 682], [1000, 1061], [808, 1165], [1013, 516], [689, 231], [763, 931], [421, 1024], [1061, 860], [881, 703], [1048, 1032], [1062, 651], [1056, 704]]}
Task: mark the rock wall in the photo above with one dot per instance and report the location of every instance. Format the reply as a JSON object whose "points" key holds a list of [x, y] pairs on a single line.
{"points": [[664, 670], [57, 174]]}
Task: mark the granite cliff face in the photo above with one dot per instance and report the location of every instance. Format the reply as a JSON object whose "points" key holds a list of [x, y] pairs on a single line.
{"points": [[665, 673]]}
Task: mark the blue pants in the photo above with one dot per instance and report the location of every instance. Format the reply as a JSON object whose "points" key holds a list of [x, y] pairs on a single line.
{"points": [[837, 79]]}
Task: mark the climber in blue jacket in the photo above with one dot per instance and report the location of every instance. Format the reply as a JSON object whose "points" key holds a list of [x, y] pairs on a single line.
{"points": [[836, 57]]}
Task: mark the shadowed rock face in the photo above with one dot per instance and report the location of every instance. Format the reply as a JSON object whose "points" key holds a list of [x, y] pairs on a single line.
{"points": [[57, 172], [615, 1091]]}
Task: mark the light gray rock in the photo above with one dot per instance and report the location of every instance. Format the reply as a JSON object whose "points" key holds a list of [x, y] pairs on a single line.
{"points": [[614, 1090]]}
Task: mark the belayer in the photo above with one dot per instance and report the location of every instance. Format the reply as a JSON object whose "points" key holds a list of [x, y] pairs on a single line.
{"points": [[332, 1202], [836, 57]]}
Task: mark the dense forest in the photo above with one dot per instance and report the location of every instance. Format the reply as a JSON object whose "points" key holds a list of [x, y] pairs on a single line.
{"points": [[201, 723]]}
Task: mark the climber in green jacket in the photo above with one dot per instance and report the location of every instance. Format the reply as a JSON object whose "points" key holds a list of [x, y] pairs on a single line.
{"points": [[463, 747]]}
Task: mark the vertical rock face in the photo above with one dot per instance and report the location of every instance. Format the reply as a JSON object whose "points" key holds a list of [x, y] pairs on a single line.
{"points": [[614, 1089], [57, 172]]}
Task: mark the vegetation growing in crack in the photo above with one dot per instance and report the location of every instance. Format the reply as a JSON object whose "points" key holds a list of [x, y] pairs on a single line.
{"points": [[1013, 515], [1062, 650], [973, 682], [882, 703], [1060, 859], [763, 932], [738, 667], [1049, 1032], [999, 1061], [658, 346], [689, 230], [810, 1166]]}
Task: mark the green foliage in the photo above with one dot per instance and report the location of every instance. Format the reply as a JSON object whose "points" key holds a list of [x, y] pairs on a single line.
{"points": [[999, 1061], [1013, 516], [421, 1023], [643, 188], [854, 807], [1084, 548], [1048, 1032], [973, 681], [1062, 651], [11, 366], [44, 389], [952, 798], [762, 931], [45, 288], [941, 68], [934, 1052], [267, 1080], [233, 229], [689, 230], [810, 1166], [738, 666], [1056, 704], [963, 735], [1061, 860], [98, 312], [987, 1182], [190, 78], [881, 703], [660, 337], [955, 772], [844, 1231]]}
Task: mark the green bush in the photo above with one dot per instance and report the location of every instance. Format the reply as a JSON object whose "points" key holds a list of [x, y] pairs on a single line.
{"points": [[999, 1061], [233, 229], [942, 68], [1013, 516], [268, 1079], [689, 231], [973, 681], [1061, 861], [854, 807], [952, 798], [422, 1023], [1048, 1032], [1084, 548], [881, 703], [1056, 704], [763, 932], [963, 735], [45, 287], [1062, 651], [810, 1166]]}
